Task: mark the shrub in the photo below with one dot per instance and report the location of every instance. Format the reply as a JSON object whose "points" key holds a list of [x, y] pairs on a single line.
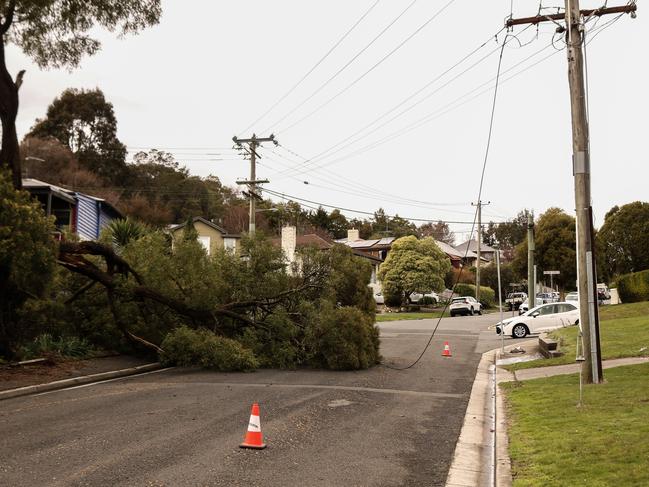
{"points": [[634, 287], [487, 295], [392, 300], [65, 346], [342, 339], [427, 300], [186, 347]]}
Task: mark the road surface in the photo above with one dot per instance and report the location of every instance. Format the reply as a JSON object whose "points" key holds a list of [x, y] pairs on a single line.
{"points": [[379, 427]]}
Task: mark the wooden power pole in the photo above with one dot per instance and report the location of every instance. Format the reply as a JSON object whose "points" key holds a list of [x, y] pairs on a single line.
{"points": [[479, 204], [531, 248], [586, 279], [253, 142]]}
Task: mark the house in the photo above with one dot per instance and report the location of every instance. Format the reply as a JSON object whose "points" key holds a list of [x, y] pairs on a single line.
{"points": [[487, 254], [210, 235], [453, 254], [378, 248], [290, 242], [75, 212]]}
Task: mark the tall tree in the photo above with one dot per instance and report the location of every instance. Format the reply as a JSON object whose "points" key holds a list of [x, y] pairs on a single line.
{"points": [[555, 248], [509, 234], [85, 122], [439, 231], [57, 33], [623, 239], [413, 266]]}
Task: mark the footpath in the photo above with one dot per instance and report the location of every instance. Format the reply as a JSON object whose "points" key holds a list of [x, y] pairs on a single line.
{"points": [[481, 455]]}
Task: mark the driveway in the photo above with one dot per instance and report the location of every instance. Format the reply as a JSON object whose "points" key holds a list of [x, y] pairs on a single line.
{"points": [[379, 427]]}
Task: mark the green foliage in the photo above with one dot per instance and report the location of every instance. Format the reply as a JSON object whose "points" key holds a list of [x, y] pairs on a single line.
{"points": [[462, 289], [85, 122], [342, 338], [555, 248], [413, 266], [124, 231], [189, 348], [56, 33], [622, 240], [634, 287], [509, 234], [64, 346], [27, 259], [439, 231]]}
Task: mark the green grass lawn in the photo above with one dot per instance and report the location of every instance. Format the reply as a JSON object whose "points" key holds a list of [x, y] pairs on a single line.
{"points": [[605, 442], [624, 332], [380, 318]]}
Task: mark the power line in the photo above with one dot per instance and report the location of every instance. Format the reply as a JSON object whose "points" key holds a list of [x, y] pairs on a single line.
{"points": [[306, 75], [384, 58], [360, 212], [453, 105], [335, 75]]}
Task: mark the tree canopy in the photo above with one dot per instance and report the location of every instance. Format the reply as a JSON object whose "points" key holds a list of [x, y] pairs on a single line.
{"points": [[623, 239], [413, 266], [85, 122], [57, 33], [555, 248]]}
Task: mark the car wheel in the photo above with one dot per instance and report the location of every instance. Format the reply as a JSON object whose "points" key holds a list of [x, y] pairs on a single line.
{"points": [[519, 331], [480, 310], [452, 315]]}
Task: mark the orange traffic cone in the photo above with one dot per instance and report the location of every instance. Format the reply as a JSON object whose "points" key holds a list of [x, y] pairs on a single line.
{"points": [[253, 437], [447, 350]]}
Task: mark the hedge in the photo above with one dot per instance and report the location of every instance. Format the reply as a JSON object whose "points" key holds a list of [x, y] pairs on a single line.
{"points": [[487, 295], [634, 287]]}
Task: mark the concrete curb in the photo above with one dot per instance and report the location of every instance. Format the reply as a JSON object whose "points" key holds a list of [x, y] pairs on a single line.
{"points": [[75, 381], [474, 458]]}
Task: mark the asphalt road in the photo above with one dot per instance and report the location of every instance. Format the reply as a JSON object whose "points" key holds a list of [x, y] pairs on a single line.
{"points": [[379, 427]]}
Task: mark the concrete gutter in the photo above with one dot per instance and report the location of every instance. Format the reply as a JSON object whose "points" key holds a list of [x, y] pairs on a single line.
{"points": [[75, 381], [476, 452]]}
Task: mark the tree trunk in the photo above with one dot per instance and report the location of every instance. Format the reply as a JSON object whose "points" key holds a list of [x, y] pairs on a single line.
{"points": [[10, 151]]}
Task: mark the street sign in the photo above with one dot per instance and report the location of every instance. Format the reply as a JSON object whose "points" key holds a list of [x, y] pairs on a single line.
{"points": [[552, 272]]}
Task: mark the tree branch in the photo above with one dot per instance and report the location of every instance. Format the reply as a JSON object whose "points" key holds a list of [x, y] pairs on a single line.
{"points": [[8, 17]]}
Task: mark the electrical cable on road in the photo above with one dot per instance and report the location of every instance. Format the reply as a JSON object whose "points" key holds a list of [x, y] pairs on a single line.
{"points": [[484, 166]]}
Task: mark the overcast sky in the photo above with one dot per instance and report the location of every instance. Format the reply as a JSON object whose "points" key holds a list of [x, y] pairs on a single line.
{"points": [[211, 68]]}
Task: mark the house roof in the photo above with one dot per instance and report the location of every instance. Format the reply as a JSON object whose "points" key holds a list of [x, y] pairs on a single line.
{"points": [[38, 185], [68, 195], [473, 247], [449, 250], [313, 240], [175, 226]]}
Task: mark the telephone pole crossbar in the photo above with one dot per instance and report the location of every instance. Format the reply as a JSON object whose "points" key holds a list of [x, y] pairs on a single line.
{"points": [[586, 265], [253, 142], [597, 12]]}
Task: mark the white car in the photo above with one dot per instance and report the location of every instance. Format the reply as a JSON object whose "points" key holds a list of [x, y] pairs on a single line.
{"points": [[465, 305], [572, 297], [542, 318], [416, 297]]}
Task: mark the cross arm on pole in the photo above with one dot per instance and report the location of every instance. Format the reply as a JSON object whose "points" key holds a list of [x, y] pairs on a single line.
{"points": [[597, 12]]}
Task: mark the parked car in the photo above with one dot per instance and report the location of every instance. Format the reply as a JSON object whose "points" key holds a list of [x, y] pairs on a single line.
{"points": [[539, 319], [378, 298], [465, 305], [514, 300], [416, 297], [572, 297]]}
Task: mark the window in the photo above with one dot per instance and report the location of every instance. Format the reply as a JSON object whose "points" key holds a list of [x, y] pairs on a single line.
{"points": [[564, 308], [548, 310], [205, 242], [230, 244]]}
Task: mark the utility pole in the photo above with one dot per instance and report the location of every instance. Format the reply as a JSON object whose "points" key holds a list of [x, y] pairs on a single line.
{"points": [[531, 248], [588, 318], [253, 142], [479, 204]]}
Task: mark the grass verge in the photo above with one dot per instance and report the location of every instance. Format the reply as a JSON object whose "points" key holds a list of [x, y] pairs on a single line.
{"points": [[553, 442], [380, 318], [624, 332]]}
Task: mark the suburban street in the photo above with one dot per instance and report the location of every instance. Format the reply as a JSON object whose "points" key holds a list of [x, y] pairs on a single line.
{"points": [[378, 427]]}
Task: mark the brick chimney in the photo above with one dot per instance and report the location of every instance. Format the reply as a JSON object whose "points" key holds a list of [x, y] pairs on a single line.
{"points": [[289, 239], [353, 235]]}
